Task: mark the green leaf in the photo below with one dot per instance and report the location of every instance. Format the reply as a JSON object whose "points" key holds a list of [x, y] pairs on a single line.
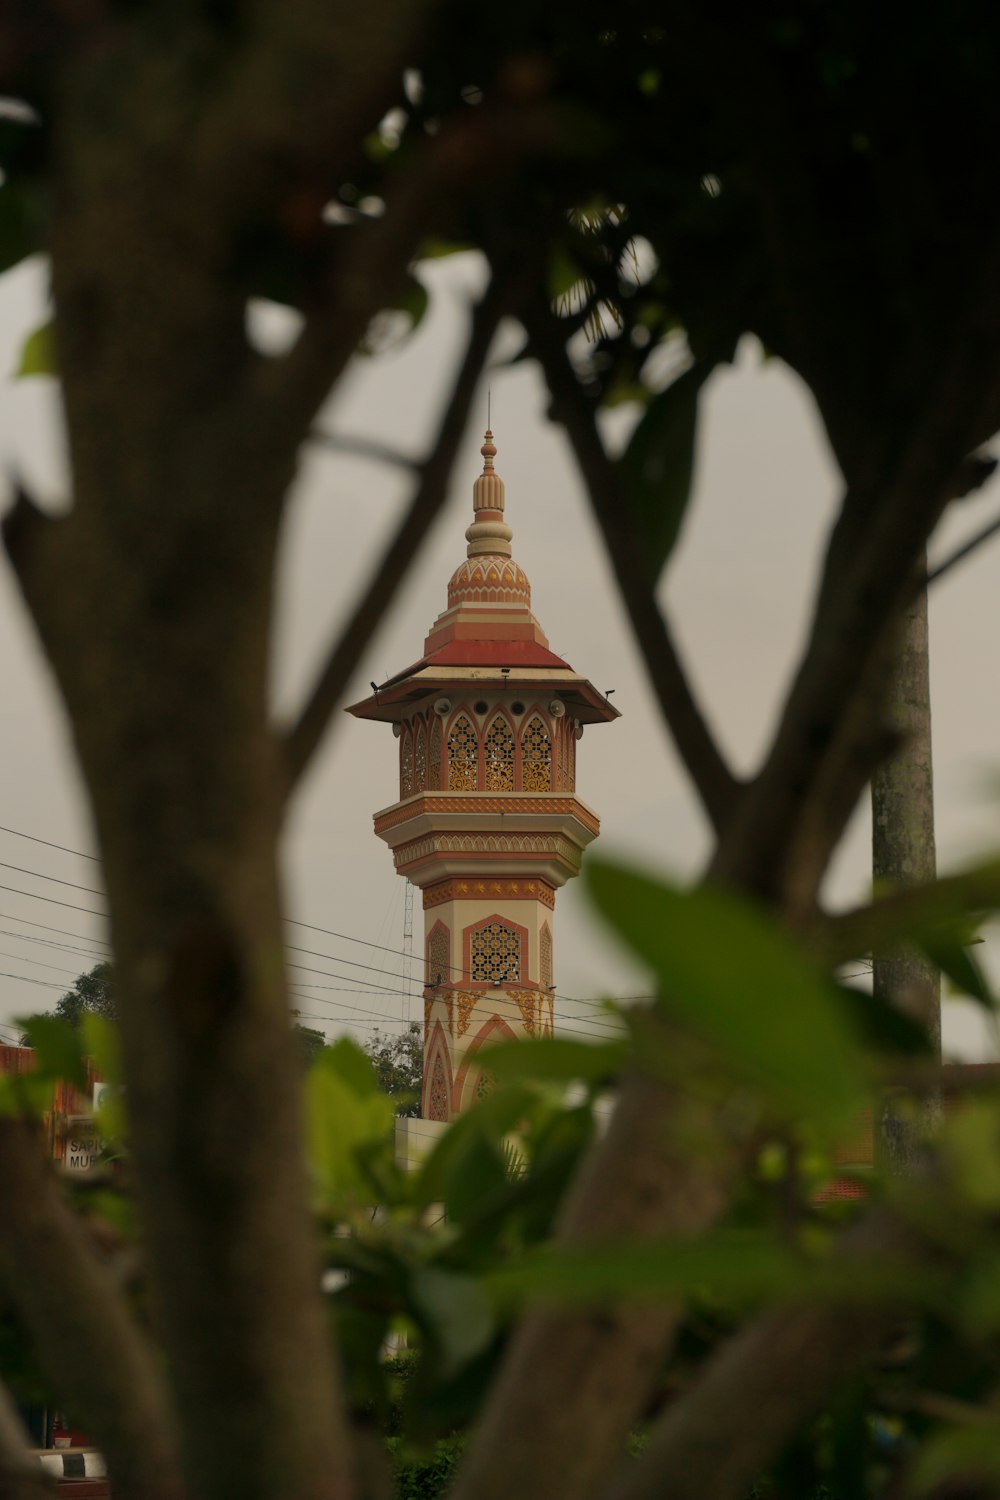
{"points": [[564, 273], [881, 1025], [458, 1312], [657, 467], [351, 1064], [436, 248], [346, 1121], [38, 354], [58, 1050], [21, 220], [971, 1147], [734, 1263], [959, 1457], [558, 1060], [496, 1116], [948, 951], [730, 975]]}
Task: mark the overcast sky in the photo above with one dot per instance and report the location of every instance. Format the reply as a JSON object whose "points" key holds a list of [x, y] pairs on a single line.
{"points": [[738, 589]]}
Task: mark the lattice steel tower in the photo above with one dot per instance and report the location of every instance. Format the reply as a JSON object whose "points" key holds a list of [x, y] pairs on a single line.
{"points": [[488, 823]]}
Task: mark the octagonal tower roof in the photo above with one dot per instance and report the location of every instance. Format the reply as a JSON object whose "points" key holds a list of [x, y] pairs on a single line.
{"points": [[487, 630]]}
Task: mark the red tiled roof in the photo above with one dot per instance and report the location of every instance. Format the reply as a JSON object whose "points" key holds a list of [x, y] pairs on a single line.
{"points": [[494, 654]]}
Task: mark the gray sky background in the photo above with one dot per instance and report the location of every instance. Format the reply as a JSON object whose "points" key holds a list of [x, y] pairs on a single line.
{"points": [[738, 589]]}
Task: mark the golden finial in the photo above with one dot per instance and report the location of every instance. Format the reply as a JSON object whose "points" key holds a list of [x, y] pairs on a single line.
{"points": [[489, 452]]}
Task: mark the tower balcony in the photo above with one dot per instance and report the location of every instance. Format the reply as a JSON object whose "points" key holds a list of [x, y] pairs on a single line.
{"points": [[435, 836]]}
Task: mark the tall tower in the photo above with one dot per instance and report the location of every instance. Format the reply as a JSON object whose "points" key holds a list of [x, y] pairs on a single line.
{"points": [[488, 823]]}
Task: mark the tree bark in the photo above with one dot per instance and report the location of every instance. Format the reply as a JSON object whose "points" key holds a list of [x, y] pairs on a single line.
{"points": [[904, 854]]}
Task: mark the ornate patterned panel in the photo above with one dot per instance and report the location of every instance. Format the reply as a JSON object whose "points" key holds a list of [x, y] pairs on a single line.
{"points": [[527, 1003], [438, 1102], [420, 758], [498, 756], [536, 757], [545, 956], [463, 756], [566, 758], [439, 956], [405, 764], [485, 1084], [495, 954], [434, 757], [466, 1003]]}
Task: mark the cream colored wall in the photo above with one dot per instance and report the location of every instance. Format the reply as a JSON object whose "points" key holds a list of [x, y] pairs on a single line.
{"points": [[457, 915]]}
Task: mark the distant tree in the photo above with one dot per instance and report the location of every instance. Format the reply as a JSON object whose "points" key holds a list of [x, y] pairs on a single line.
{"points": [[92, 992], [311, 1042], [399, 1065]]}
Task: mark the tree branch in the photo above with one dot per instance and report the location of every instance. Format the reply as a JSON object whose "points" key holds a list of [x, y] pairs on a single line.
{"points": [[660, 1170], [368, 261], [961, 553], [894, 917], [21, 1475], [715, 1441], [715, 783], [871, 564], [306, 734], [85, 1335]]}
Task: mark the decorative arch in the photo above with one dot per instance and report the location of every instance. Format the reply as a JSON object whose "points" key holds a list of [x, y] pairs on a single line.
{"points": [[439, 955], [470, 1071], [434, 756], [536, 756], [463, 755], [498, 755], [495, 949], [405, 763], [420, 757], [438, 1089]]}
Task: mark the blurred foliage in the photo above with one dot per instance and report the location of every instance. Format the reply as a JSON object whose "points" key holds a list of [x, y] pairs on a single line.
{"points": [[824, 182]]}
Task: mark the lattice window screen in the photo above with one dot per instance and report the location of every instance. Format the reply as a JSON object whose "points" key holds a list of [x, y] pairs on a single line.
{"points": [[463, 755], [536, 757], [496, 954], [498, 756], [434, 757], [545, 956], [420, 759], [439, 957], [405, 764]]}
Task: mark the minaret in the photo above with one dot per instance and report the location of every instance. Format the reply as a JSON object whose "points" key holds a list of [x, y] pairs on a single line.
{"points": [[488, 823]]}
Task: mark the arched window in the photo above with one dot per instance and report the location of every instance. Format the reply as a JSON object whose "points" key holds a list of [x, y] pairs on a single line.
{"points": [[463, 757], [405, 764], [495, 954], [420, 758], [498, 756], [439, 956], [536, 757], [438, 1104], [545, 956], [434, 757]]}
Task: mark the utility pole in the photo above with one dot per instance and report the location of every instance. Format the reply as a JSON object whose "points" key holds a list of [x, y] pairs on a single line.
{"points": [[904, 853]]}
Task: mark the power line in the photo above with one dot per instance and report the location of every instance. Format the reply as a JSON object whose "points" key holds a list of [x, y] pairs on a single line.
{"points": [[81, 936], [32, 838], [38, 875]]}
